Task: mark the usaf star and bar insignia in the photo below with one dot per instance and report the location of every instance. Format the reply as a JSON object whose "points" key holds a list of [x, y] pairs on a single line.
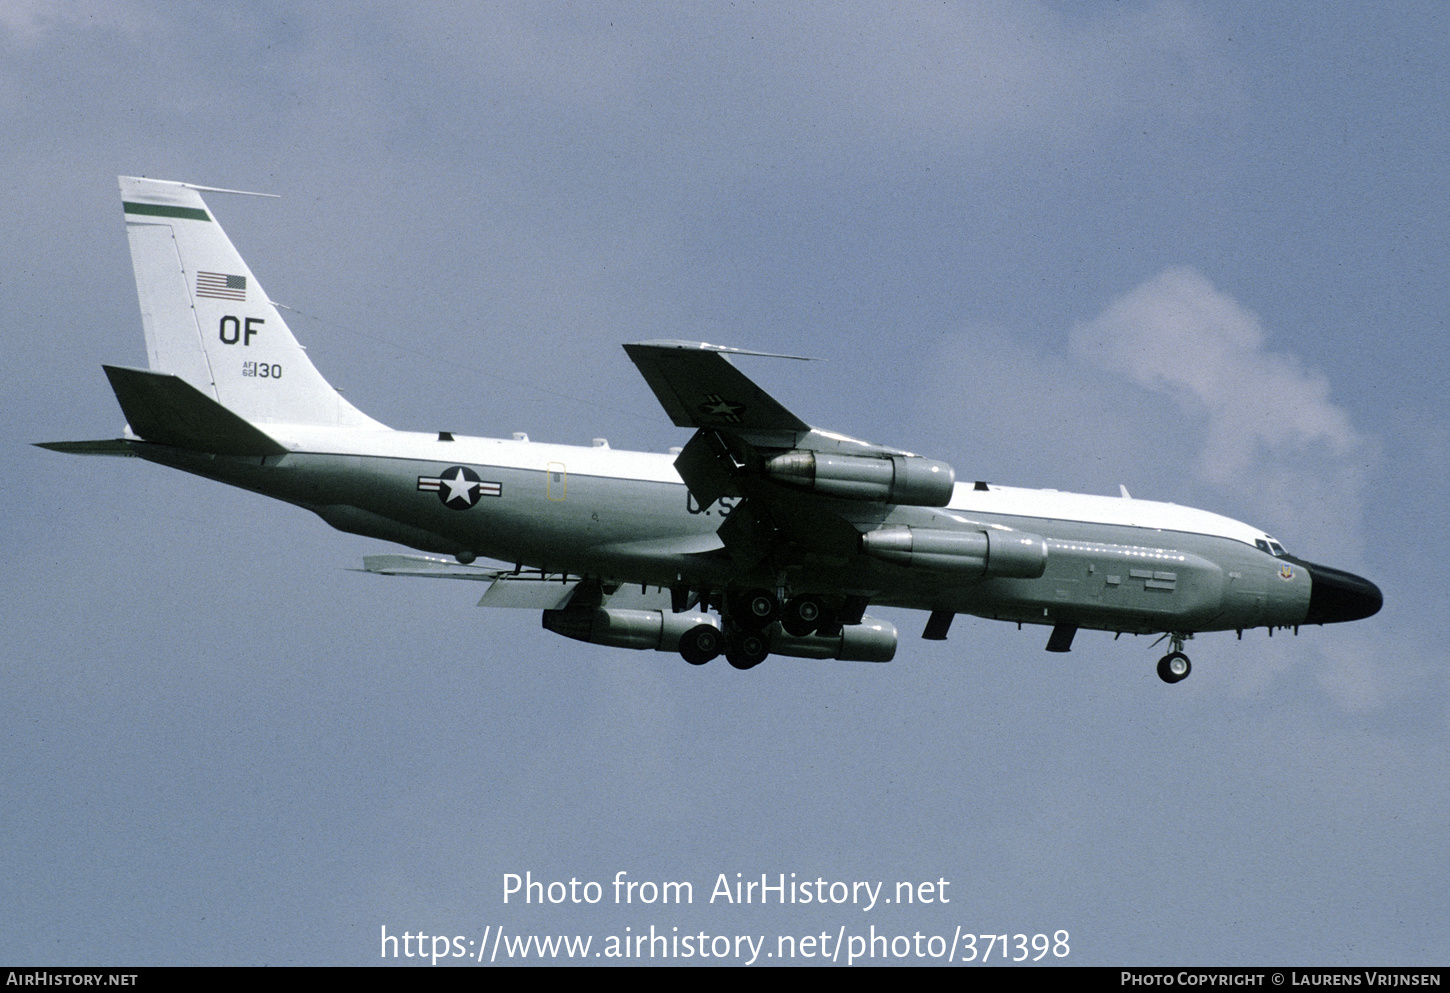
{"points": [[717, 406], [459, 487]]}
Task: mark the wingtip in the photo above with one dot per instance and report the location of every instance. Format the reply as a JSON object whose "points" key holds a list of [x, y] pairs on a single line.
{"points": [[123, 180], [663, 344], [106, 446]]}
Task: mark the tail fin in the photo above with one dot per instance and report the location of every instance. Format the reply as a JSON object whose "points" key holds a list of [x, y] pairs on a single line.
{"points": [[207, 320]]}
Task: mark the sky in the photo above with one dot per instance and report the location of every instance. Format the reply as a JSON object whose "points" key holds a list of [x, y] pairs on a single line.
{"points": [[1197, 249]]}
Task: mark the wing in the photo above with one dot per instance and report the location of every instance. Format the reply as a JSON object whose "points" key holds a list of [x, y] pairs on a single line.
{"points": [[804, 488], [699, 388], [531, 590]]}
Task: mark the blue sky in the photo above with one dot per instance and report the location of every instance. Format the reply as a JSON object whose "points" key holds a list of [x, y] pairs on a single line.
{"points": [[1198, 249]]}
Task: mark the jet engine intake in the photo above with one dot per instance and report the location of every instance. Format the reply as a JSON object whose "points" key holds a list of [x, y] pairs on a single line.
{"points": [[900, 479], [993, 552]]}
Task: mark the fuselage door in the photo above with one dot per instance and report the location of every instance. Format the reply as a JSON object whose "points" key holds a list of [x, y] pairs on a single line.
{"points": [[557, 486], [1247, 592]]}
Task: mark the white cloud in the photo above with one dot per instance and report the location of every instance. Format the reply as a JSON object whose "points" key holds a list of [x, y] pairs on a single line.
{"points": [[951, 73], [1021, 412], [28, 22], [1177, 375], [1274, 439], [767, 83], [1365, 668]]}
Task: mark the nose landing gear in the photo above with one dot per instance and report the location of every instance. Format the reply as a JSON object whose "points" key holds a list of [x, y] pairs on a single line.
{"points": [[1175, 667]]}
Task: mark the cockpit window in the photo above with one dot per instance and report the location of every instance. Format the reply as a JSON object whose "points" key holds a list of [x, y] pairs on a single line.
{"points": [[1271, 546], [1263, 545], [1278, 548]]}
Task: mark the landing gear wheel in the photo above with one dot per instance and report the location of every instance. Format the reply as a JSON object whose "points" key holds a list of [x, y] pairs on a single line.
{"points": [[801, 615], [747, 649], [1174, 667], [701, 643], [754, 610]]}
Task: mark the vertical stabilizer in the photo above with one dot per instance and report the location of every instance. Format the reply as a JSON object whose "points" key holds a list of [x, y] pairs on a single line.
{"points": [[207, 320]]}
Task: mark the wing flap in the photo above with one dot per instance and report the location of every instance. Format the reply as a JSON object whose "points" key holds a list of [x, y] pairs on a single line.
{"points": [[706, 466], [532, 592]]}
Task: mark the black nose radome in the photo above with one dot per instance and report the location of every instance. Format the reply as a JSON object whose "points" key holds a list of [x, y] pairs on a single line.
{"points": [[1336, 595]]}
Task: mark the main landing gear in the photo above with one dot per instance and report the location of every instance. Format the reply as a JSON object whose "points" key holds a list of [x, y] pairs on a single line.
{"points": [[746, 649], [1175, 667], [748, 616], [701, 643], [743, 649]]}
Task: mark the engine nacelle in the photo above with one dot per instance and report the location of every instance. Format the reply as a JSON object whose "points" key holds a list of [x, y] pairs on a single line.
{"points": [[993, 552], [901, 479], [873, 640], [657, 629]]}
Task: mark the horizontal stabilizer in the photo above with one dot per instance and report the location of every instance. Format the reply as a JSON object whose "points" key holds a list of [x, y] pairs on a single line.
{"points": [[426, 565], [167, 410], [111, 446]]}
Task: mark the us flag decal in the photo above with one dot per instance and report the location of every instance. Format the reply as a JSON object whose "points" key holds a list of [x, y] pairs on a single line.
{"points": [[221, 286]]}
